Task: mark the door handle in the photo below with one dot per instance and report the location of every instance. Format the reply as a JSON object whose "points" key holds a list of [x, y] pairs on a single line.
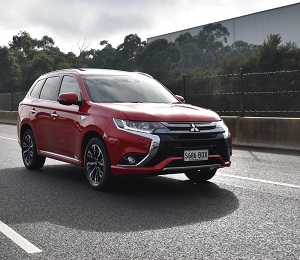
{"points": [[33, 111], [54, 115]]}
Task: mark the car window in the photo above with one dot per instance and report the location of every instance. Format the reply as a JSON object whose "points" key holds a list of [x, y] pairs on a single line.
{"points": [[49, 88], [70, 84], [35, 92]]}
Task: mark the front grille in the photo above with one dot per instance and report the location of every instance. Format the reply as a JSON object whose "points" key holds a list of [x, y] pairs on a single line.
{"points": [[187, 126], [178, 138]]}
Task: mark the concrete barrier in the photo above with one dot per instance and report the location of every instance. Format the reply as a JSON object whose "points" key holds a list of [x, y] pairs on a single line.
{"points": [[8, 117], [267, 132], [279, 133]]}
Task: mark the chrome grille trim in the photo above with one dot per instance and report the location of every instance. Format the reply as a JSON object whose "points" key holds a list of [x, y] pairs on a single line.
{"points": [[185, 128]]}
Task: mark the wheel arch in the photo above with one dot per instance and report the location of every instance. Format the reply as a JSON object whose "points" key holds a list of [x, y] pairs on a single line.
{"points": [[23, 129]]}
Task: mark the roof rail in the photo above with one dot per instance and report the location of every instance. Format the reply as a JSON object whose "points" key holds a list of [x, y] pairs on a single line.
{"points": [[145, 74], [84, 69]]}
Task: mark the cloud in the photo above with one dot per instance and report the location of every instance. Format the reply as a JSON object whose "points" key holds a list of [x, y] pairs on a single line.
{"points": [[73, 21], [69, 22]]}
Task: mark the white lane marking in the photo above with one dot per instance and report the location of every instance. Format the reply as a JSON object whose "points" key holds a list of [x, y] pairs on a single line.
{"points": [[7, 138], [260, 180], [18, 239]]}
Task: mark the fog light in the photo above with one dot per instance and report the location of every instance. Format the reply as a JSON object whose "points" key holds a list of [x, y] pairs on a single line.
{"points": [[131, 160]]}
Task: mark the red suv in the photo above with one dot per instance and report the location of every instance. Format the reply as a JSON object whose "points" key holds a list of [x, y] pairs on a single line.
{"points": [[116, 123]]}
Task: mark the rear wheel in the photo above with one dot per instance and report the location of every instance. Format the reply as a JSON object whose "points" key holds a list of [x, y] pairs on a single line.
{"points": [[97, 165], [31, 159], [201, 175]]}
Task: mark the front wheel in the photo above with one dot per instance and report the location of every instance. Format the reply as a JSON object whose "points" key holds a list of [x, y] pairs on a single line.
{"points": [[31, 159], [201, 175], [97, 165]]}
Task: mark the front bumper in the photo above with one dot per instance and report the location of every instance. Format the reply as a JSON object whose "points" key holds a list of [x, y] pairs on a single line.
{"points": [[166, 150]]}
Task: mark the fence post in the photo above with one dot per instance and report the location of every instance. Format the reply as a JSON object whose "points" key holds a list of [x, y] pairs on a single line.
{"points": [[183, 80], [242, 92], [12, 101]]}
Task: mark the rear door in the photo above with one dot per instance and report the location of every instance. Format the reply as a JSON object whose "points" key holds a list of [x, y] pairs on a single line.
{"points": [[41, 113]]}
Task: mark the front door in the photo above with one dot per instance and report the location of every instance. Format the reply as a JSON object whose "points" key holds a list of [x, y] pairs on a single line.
{"points": [[67, 128]]}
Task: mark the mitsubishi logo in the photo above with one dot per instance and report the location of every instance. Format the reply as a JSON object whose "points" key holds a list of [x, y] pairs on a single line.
{"points": [[194, 128]]}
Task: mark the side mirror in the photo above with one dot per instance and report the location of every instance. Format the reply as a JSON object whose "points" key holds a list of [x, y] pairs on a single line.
{"points": [[180, 98], [68, 99]]}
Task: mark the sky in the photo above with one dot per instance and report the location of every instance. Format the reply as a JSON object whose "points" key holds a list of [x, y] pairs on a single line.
{"points": [[74, 24]]}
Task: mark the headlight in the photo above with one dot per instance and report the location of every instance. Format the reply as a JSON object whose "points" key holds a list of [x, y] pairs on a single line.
{"points": [[138, 126], [224, 126]]}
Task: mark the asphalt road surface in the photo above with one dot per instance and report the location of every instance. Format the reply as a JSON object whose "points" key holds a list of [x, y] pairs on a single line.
{"points": [[248, 211]]}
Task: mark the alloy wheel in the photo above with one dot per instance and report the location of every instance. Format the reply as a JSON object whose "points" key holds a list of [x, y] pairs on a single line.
{"points": [[27, 147], [95, 164]]}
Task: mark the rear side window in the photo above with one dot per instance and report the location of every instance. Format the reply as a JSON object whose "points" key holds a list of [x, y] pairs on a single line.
{"points": [[35, 93], [70, 84], [49, 88]]}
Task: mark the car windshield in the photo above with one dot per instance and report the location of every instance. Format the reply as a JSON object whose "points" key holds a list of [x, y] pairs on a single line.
{"points": [[135, 88]]}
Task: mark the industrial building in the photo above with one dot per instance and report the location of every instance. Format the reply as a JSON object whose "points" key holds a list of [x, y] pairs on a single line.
{"points": [[254, 28]]}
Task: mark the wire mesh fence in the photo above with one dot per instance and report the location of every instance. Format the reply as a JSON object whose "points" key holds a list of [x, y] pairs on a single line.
{"points": [[10, 101], [273, 94], [270, 94]]}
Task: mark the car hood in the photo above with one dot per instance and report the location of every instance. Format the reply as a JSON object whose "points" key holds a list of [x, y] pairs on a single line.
{"points": [[162, 112]]}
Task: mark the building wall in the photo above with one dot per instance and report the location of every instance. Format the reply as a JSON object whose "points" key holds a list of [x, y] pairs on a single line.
{"points": [[254, 28]]}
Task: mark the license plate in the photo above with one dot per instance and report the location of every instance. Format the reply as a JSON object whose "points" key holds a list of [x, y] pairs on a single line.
{"points": [[195, 155]]}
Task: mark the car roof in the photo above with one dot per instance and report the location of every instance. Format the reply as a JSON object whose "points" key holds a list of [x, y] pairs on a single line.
{"points": [[95, 71]]}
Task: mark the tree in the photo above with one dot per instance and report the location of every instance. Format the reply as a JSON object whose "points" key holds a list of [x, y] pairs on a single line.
{"points": [[126, 53], [10, 73], [189, 50], [270, 54], [104, 57], [23, 48], [38, 56], [159, 59], [99, 58], [275, 57], [205, 49], [22, 44], [45, 43], [291, 56], [211, 42], [237, 56]]}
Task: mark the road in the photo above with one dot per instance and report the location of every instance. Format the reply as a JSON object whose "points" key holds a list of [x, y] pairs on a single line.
{"points": [[248, 211]]}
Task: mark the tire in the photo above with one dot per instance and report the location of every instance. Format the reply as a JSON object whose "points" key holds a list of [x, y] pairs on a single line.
{"points": [[31, 159], [201, 175], [97, 165]]}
